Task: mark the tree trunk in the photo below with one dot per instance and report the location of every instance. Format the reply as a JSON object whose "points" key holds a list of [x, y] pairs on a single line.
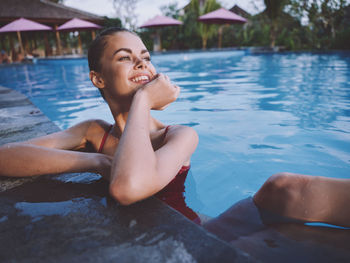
{"points": [[204, 42], [273, 33]]}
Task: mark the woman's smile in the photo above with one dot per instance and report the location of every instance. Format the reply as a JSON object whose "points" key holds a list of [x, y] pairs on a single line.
{"points": [[141, 79]]}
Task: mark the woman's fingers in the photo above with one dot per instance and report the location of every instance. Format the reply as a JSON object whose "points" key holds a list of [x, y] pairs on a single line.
{"points": [[161, 91], [177, 91]]}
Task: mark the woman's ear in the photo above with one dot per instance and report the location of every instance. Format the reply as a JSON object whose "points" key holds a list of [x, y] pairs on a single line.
{"points": [[97, 79]]}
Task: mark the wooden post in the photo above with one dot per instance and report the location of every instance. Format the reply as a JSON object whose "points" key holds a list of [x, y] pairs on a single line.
{"points": [[12, 48], [220, 36], [47, 47], [3, 44], [80, 47], [20, 42], [26, 42], [157, 42], [35, 43], [58, 42]]}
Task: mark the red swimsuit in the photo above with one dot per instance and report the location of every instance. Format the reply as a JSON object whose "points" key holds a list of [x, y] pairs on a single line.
{"points": [[173, 193]]}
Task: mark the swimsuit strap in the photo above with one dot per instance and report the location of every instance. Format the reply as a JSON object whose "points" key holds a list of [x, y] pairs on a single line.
{"points": [[166, 130], [104, 139]]}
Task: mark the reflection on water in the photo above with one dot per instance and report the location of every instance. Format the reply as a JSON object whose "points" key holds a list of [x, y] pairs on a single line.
{"points": [[255, 114]]}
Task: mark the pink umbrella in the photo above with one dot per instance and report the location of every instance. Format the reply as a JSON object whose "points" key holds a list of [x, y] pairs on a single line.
{"points": [[78, 24], [221, 16], [23, 24], [160, 21]]}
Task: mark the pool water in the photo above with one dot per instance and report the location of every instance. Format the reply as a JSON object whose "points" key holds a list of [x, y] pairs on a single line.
{"points": [[256, 115]]}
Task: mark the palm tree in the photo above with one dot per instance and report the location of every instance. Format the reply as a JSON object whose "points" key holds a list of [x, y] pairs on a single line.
{"points": [[274, 9], [206, 30]]}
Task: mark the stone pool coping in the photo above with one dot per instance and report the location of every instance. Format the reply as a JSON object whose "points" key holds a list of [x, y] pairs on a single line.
{"points": [[79, 222]]}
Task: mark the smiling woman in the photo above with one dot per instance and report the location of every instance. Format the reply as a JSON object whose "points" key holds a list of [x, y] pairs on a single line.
{"points": [[138, 154]]}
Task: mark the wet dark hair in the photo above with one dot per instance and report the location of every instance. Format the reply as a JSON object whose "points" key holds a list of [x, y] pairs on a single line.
{"points": [[97, 48]]}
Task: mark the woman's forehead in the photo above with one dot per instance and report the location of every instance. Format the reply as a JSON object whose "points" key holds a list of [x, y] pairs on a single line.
{"points": [[125, 40]]}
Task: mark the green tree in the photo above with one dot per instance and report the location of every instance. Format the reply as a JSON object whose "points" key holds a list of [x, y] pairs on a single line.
{"points": [[274, 10], [125, 11], [189, 36], [326, 20], [111, 22], [208, 30]]}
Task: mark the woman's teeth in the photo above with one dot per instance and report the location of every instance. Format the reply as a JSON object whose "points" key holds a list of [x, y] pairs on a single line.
{"points": [[140, 79]]}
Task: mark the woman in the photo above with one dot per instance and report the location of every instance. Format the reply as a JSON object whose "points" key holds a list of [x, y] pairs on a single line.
{"points": [[138, 154], [142, 157]]}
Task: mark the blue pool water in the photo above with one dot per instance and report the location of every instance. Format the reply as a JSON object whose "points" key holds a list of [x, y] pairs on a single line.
{"points": [[256, 115]]}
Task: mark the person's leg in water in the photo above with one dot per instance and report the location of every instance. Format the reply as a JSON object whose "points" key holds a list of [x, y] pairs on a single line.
{"points": [[286, 198], [270, 225], [307, 198]]}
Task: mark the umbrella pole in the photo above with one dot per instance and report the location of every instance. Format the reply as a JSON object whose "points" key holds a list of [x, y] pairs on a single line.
{"points": [[220, 36], [93, 34], [157, 44], [20, 42], [12, 48], [47, 46], [3, 43], [58, 42], [80, 45]]}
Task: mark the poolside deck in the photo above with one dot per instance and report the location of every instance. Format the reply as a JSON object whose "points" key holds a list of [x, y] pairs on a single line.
{"points": [[70, 218]]}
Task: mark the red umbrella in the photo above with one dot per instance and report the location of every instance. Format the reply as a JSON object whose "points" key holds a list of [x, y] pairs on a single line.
{"points": [[23, 24], [221, 16], [79, 24], [160, 21]]}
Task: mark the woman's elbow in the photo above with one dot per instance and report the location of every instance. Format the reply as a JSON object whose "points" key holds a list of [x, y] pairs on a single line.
{"points": [[124, 192]]}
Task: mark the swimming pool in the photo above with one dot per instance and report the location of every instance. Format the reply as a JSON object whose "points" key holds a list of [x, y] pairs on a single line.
{"points": [[255, 114]]}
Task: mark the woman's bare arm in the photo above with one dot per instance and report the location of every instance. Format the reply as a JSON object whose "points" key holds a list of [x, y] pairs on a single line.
{"points": [[137, 170], [50, 154]]}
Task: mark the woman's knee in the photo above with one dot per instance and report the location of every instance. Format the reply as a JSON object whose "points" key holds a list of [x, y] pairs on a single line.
{"points": [[280, 191]]}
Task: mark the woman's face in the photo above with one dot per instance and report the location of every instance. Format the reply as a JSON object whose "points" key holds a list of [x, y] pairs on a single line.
{"points": [[125, 65]]}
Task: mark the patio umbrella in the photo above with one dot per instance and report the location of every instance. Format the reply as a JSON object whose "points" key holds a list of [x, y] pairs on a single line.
{"points": [[79, 24], [23, 24], [222, 16], [157, 22]]}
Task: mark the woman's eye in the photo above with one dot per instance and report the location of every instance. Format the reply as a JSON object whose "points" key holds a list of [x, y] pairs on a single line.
{"points": [[124, 58], [147, 58]]}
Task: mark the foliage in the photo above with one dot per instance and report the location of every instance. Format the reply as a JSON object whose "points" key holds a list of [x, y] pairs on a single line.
{"points": [[112, 22], [208, 30], [327, 21], [274, 11], [290, 24], [125, 11]]}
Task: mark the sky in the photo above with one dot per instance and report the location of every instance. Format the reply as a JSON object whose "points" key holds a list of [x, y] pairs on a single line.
{"points": [[147, 9]]}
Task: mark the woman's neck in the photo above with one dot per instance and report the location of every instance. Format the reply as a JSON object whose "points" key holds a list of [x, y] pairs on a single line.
{"points": [[120, 116]]}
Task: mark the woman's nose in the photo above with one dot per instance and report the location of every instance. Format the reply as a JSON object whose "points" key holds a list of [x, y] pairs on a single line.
{"points": [[140, 64]]}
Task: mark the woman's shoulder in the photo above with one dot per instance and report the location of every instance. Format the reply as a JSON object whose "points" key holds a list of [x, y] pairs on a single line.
{"points": [[183, 131], [91, 125], [180, 128], [90, 129]]}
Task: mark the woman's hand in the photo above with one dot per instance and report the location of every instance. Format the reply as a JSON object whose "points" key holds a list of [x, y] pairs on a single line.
{"points": [[160, 92]]}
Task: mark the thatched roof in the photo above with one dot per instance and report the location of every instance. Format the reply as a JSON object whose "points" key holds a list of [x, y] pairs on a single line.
{"points": [[42, 11], [239, 11]]}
